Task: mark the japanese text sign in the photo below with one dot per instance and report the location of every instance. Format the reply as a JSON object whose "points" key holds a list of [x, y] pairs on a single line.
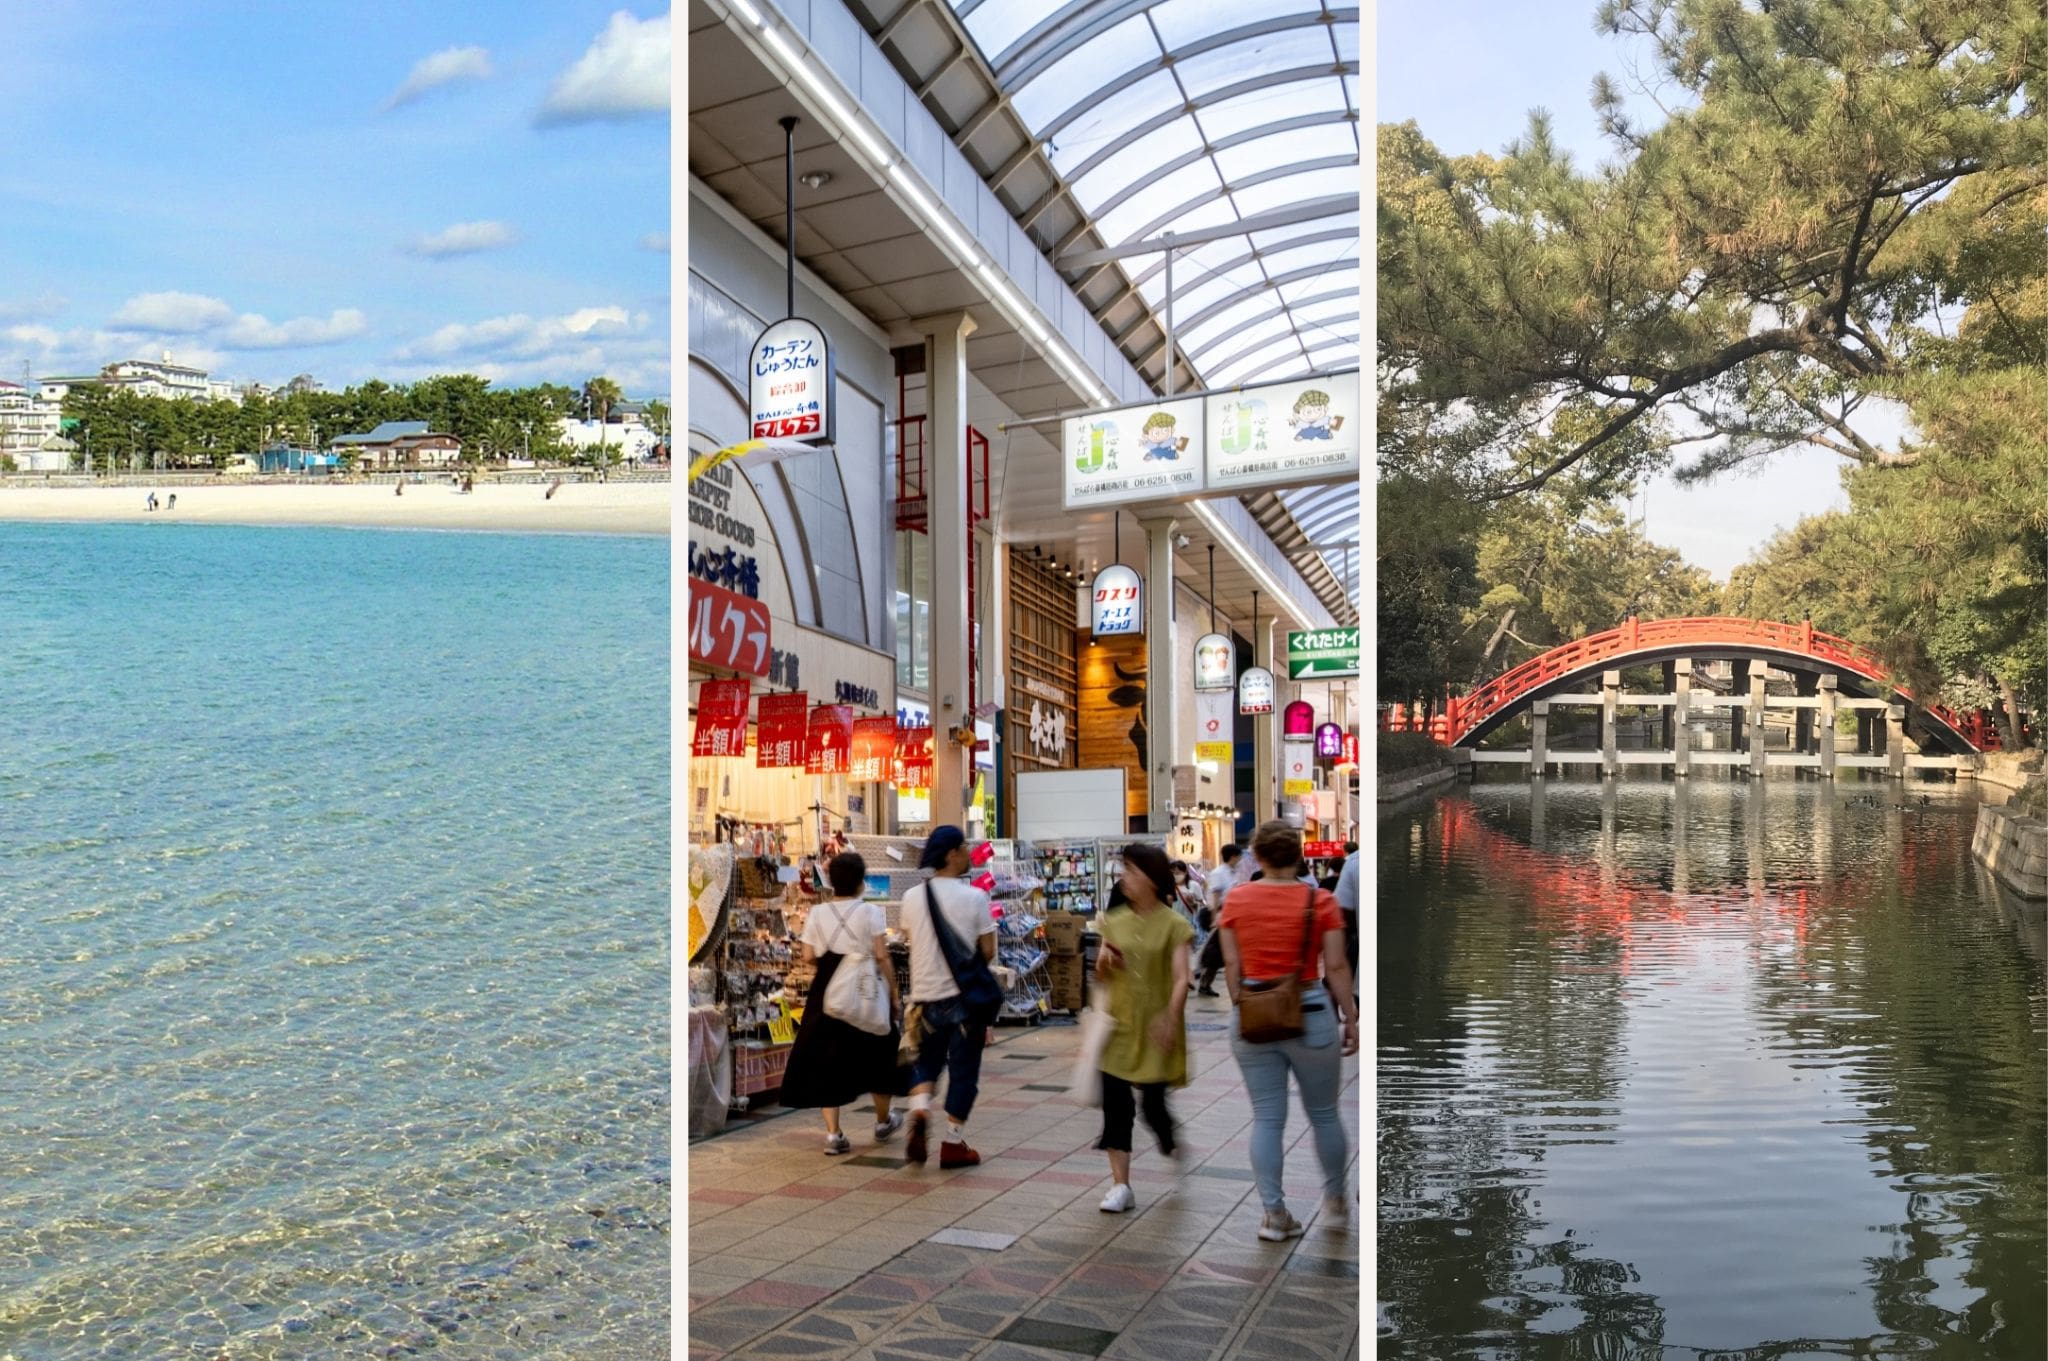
{"points": [[1119, 601], [1214, 662], [1303, 430], [1298, 768], [1255, 691], [831, 740], [1139, 453], [721, 719], [874, 750], [914, 757], [1330, 740], [789, 383], [1214, 727], [728, 630], [1322, 653], [783, 744]]}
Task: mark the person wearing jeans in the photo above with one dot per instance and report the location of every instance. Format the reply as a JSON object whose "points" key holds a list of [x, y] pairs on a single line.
{"points": [[1270, 927], [952, 1039]]}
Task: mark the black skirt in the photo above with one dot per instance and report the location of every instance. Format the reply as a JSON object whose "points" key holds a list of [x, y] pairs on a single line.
{"points": [[833, 1063]]}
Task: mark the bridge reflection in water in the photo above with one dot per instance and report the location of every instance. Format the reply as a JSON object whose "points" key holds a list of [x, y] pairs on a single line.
{"points": [[1707, 1068]]}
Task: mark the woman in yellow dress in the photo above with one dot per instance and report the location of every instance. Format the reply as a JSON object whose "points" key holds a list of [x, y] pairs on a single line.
{"points": [[1144, 965]]}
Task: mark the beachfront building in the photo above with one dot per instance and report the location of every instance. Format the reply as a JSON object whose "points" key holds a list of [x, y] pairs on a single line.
{"points": [[625, 434], [146, 378], [983, 199], [399, 444], [27, 422]]}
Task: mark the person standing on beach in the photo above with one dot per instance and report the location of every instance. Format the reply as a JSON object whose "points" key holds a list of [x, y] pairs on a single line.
{"points": [[1277, 925], [1144, 965], [952, 939], [150, 504], [833, 1062]]}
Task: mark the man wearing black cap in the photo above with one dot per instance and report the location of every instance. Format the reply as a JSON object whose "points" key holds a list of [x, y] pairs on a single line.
{"points": [[953, 1041]]}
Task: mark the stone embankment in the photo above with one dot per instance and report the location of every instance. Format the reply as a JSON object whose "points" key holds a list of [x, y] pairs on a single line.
{"points": [[1406, 784], [2015, 848]]}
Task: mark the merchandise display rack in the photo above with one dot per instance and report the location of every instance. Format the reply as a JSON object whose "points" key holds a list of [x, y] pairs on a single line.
{"points": [[1018, 897], [1069, 872]]}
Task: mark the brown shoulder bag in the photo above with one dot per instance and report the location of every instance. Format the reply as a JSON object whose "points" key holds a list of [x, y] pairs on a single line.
{"points": [[1269, 1009]]}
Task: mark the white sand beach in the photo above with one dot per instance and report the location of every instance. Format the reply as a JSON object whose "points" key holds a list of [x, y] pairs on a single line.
{"points": [[577, 508]]}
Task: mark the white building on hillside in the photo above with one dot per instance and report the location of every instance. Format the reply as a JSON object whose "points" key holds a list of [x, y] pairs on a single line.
{"points": [[148, 378], [26, 421]]}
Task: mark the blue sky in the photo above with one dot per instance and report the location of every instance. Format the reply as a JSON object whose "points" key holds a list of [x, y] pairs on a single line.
{"points": [[1468, 72], [350, 190]]}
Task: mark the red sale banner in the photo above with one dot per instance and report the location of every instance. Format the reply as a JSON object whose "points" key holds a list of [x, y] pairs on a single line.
{"points": [[1322, 850], [727, 629], [914, 758], [831, 740], [782, 744], [874, 749], [721, 719]]}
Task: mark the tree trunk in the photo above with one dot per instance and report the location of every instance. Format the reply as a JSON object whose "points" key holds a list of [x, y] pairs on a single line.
{"points": [[2007, 714], [1480, 672]]}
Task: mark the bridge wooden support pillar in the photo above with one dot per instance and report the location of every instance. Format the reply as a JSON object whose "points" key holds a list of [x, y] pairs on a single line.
{"points": [[1757, 727], [1830, 686], [1737, 716], [1866, 727], [1678, 716], [1670, 688], [1610, 714], [1895, 739], [1805, 686], [1539, 739]]}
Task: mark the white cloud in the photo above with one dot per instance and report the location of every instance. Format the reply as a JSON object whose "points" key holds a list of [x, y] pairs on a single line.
{"points": [[656, 242], [170, 313], [253, 332], [519, 348], [37, 337], [623, 75], [464, 238], [443, 68]]}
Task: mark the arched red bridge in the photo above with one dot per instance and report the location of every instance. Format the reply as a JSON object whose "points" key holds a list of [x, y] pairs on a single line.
{"points": [[1467, 718]]}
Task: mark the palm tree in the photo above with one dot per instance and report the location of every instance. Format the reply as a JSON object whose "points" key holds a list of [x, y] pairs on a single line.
{"points": [[601, 394]]}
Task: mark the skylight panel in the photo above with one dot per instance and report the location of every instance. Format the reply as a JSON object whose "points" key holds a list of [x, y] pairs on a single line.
{"points": [[1242, 113], [1107, 121], [1287, 148], [1287, 348], [1185, 21], [1133, 162], [996, 25], [1126, 50], [1267, 240], [1263, 55], [1313, 184], [1183, 186]]}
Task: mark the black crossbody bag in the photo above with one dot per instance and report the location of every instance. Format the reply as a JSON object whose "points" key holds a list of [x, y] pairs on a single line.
{"points": [[980, 994]]}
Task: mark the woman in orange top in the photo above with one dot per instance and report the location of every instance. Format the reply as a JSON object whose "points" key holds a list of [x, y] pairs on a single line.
{"points": [[1278, 924]]}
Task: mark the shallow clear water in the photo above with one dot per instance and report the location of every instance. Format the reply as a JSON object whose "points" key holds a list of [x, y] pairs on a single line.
{"points": [[333, 943], [1728, 1070]]}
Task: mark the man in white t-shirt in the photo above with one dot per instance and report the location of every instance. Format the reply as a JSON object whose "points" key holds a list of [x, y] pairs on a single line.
{"points": [[952, 1042]]}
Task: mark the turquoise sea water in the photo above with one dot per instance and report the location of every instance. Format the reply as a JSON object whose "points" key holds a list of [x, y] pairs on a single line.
{"points": [[334, 881]]}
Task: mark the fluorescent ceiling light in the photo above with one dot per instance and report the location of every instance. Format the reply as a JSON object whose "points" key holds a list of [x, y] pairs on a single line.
{"points": [[1007, 297], [1249, 560], [835, 108], [933, 215], [747, 12]]}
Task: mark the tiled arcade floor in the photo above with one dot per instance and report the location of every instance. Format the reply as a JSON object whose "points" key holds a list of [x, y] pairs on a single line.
{"points": [[793, 1254]]}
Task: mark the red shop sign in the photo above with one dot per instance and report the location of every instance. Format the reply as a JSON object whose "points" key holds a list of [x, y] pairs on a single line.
{"points": [[914, 758], [782, 744], [727, 629], [1350, 756], [831, 740], [874, 750], [1322, 850], [721, 719]]}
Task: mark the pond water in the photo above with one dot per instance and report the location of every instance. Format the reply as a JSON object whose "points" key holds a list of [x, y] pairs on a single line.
{"points": [[1717, 1069]]}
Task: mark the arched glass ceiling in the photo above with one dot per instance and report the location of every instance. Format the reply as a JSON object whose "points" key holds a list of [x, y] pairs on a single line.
{"points": [[1329, 516], [1184, 115]]}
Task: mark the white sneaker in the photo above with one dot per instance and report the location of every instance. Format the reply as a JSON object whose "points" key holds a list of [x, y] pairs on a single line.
{"points": [[885, 1128], [1118, 1200], [835, 1144], [1277, 1226]]}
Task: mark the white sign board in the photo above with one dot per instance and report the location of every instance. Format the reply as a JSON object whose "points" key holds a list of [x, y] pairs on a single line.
{"points": [[1119, 601], [1255, 691], [789, 383], [1139, 453], [1302, 430], [1069, 805], [1214, 662]]}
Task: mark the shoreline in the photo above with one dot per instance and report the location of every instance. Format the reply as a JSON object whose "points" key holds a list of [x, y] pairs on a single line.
{"points": [[629, 508]]}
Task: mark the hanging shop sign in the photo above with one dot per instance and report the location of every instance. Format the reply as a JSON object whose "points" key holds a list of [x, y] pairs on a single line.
{"points": [[789, 383], [1322, 850], [1298, 719], [1215, 660], [1255, 691], [1119, 601], [784, 723], [1322, 654], [1298, 767], [914, 757], [1302, 431], [1139, 453], [831, 740], [874, 750], [1349, 755], [911, 714], [1329, 741], [721, 719], [728, 630], [1213, 728]]}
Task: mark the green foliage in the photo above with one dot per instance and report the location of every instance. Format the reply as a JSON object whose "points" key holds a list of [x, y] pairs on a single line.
{"points": [[1403, 752]]}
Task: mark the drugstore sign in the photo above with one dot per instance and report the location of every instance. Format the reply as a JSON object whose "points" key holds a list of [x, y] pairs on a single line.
{"points": [[789, 383], [1119, 601]]}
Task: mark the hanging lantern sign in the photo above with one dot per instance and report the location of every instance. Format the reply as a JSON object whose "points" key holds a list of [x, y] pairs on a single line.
{"points": [[789, 383], [830, 740], [1214, 659], [1329, 740], [1255, 691], [1213, 736], [1298, 719], [1297, 767], [721, 719], [784, 737], [1349, 755], [1119, 601]]}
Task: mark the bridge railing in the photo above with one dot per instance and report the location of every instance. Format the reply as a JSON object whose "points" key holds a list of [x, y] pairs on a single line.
{"points": [[1465, 712]]}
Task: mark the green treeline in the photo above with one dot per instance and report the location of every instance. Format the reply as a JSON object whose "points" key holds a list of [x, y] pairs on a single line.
{"points": [[1843, 214], [125, 430]]}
